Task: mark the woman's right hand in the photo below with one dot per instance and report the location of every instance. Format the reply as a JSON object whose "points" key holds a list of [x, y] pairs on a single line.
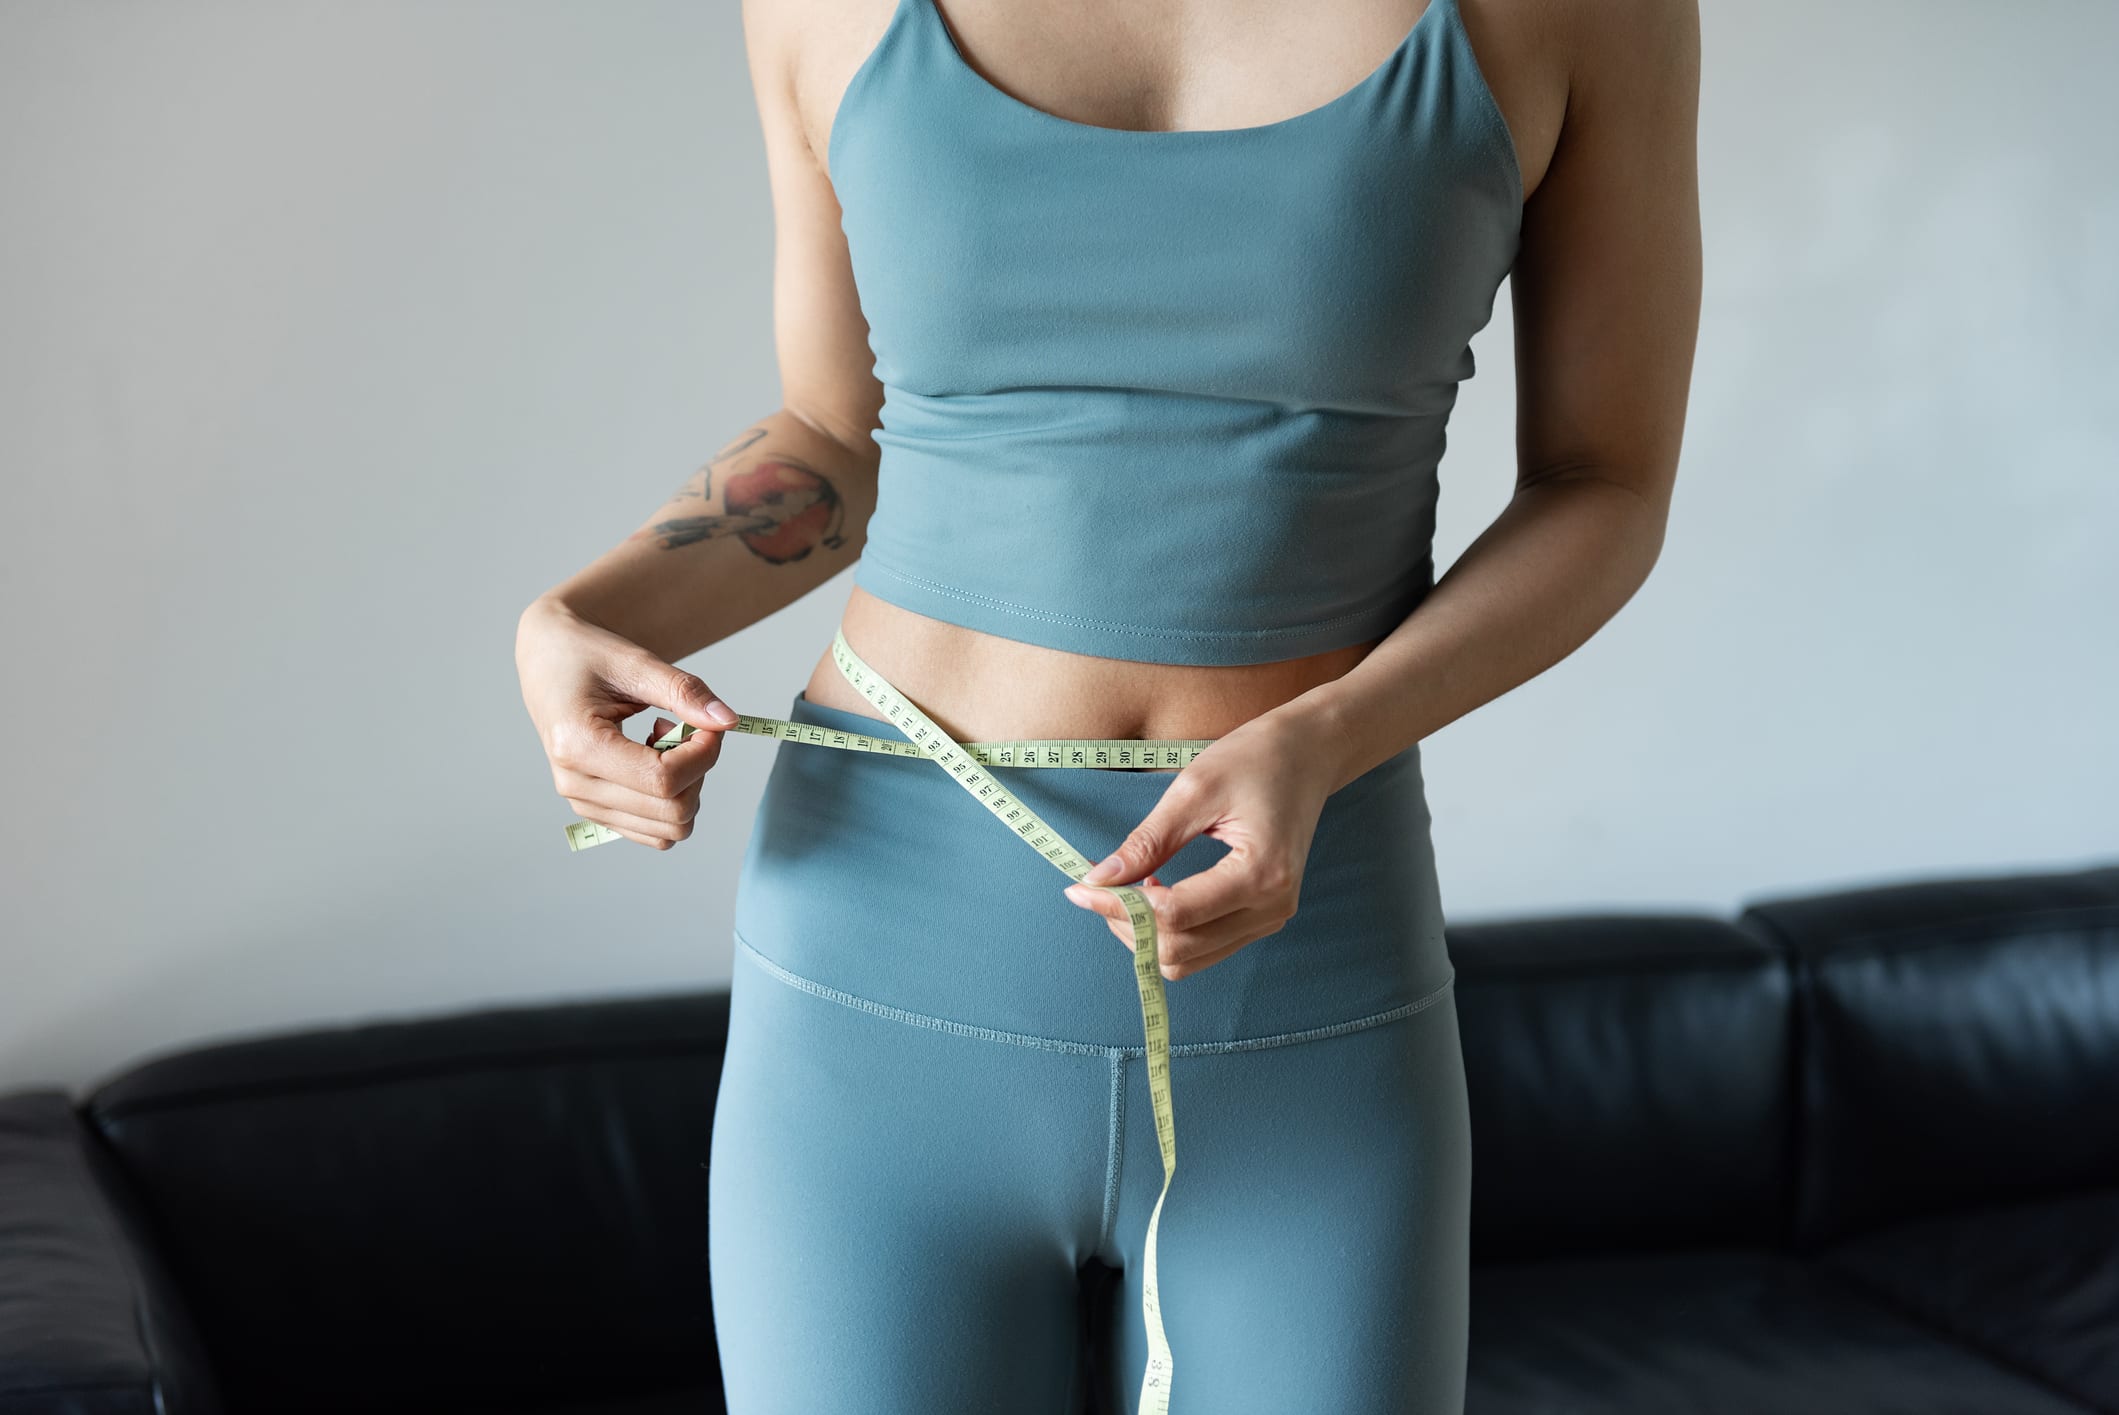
{"points": [[581, 682]]}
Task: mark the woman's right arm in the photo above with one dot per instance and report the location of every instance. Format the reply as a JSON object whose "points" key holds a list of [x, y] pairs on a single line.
{"points": [[777, 512], [780, 509]]}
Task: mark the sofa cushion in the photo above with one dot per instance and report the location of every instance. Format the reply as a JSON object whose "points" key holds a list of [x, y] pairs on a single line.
{"points": [[497, 1209], [1958, 1042], [90, 1321], [1727, 1332], [1629, 1080], [2034, 1285]]}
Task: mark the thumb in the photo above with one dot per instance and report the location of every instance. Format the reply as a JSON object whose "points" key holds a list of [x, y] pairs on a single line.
{"points": [[649, 680], [1166, 830]]}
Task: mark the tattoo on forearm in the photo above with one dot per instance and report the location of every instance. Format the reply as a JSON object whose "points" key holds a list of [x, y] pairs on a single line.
{"points": [[777, 504], [736, 445], [695, 487]]}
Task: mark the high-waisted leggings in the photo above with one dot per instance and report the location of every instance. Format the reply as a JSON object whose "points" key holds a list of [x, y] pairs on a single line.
{"points": [[934, 1112]]}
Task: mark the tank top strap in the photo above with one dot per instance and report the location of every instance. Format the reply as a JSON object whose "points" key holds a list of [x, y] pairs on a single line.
{"points": [[900, 65], [930, 48]]}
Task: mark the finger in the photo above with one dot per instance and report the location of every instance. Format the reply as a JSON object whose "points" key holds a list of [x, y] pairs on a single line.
{"points": [[1103, 901], [612, 795], [683, 774], [670, 770], [657, 833], [1184, 810], [1238, 880], [597, 748], [1116, 916], [1182, 953], [1178, 958], [650, 681], [636, 837]]}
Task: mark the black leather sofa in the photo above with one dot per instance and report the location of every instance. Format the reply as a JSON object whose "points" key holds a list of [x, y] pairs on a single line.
{"points": [[1847, 1152]]}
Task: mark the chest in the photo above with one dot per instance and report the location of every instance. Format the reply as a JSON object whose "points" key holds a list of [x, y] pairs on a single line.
{"points": [[1342, 256]]}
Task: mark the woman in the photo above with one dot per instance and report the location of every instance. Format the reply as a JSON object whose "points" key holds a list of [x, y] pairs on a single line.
{"points": [[1117, 346]]}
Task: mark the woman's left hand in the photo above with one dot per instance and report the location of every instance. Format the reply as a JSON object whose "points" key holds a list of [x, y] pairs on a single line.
{"points": [[1259, 794]]}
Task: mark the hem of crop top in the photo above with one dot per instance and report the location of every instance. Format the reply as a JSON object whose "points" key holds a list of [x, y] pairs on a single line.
{"points": [[1203, 647]]}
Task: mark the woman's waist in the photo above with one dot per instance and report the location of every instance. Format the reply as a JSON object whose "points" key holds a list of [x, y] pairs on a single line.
{"points": [[881, 877], [980, 686]]}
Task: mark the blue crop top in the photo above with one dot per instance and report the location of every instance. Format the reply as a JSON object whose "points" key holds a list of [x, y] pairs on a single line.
{"points": [[1174, 396]]}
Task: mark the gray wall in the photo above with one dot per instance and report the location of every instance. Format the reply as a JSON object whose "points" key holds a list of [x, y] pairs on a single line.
{"points": [[331, 333]]}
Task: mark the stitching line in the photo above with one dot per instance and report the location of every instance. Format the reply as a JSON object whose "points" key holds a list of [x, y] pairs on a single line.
{"points": [[994, 1034], [1116, 1163], [1256, 635], [918, 1019]]}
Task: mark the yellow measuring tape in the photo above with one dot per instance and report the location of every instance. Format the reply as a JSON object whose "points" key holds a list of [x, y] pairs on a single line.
{"points": [[965, 762]]}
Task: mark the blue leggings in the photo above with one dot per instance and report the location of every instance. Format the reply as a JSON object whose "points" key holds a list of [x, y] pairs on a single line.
{"points": [[934, 1111]]}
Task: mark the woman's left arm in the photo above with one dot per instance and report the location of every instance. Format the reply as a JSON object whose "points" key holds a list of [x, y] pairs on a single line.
{"points": [[1606, 291]]}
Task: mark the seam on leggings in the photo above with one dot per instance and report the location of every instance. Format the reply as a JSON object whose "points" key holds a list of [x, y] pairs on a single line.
{"points": [[1117, 1158], [995, 1034]]}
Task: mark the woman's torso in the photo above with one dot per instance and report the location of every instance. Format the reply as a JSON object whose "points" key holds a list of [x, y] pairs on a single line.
{"points": [[1091, 67], [981, 686]]}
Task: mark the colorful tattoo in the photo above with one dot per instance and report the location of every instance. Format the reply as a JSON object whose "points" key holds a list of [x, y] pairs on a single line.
{"points": [[779, 506]]}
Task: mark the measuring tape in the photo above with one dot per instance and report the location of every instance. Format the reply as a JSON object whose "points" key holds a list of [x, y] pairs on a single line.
{"points": [[964, 761]]}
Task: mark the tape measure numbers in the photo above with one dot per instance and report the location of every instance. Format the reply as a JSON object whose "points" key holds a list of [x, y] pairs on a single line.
{"points": [[966, 762]]}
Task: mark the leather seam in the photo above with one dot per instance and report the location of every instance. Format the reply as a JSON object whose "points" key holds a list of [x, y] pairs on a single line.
{"points": [[1963, 1338]]}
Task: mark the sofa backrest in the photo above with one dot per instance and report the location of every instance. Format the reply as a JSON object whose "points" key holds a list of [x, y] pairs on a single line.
{"points": [[1959, 1043], [1629, 1080], [516, 1198]]}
